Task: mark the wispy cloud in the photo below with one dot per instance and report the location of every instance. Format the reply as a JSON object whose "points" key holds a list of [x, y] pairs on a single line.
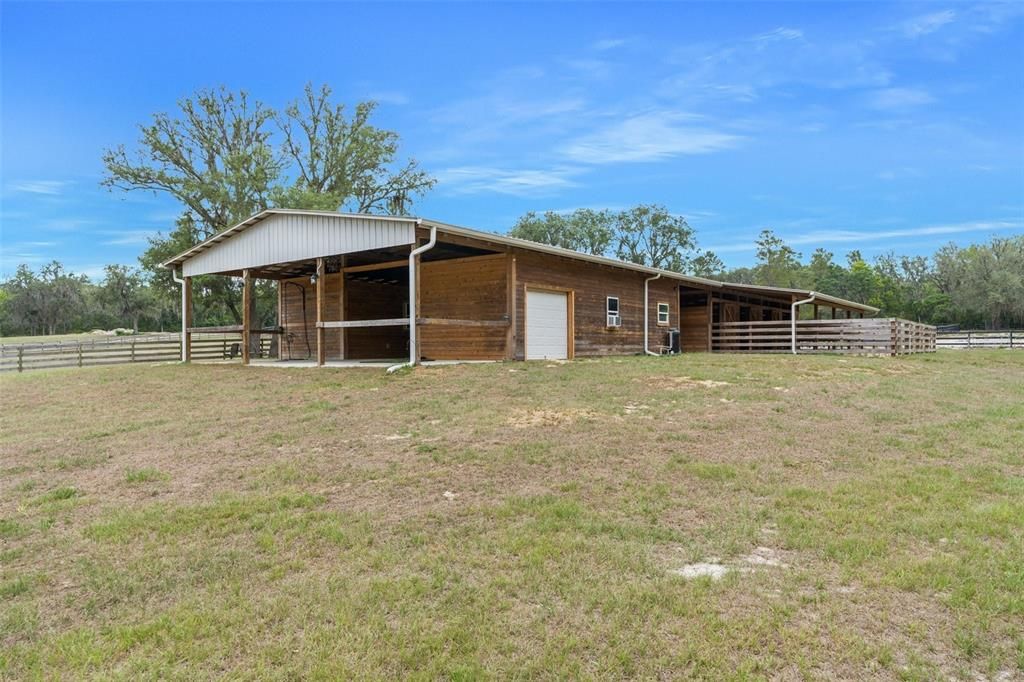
{"points": [[129, 238], [924, 24], [648, 137], [889, 99], [49, 187], [781, 33], [846, 236], [389, 97], [522, 182]]}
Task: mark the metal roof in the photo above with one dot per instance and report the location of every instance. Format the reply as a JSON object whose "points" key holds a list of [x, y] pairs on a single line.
{"points": [[506, 241]]}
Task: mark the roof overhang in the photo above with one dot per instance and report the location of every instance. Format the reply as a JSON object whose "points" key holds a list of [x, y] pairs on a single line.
{"points": [[511, 242]]}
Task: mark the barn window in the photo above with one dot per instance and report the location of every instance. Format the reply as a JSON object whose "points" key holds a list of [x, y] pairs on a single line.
{"points": [[663, 313], [612, 309]]}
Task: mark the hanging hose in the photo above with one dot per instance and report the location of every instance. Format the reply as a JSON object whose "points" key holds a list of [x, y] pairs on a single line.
{"points": [[305, 322]]}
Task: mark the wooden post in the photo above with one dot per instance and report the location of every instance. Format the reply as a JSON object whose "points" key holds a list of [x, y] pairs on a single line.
{"points": [[510, 307], [815, 312], [187, 313], [321, 301], [834, 316], [416, 317], [280, 317], [133, 351], [711, 317], [246, 315], [21, 359], [341, 307], [79, 353]]}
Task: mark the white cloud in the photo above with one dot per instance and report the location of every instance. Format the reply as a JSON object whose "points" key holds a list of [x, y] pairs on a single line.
{"points": [[781, 33], [389, 97], [522, 183], [647, 137], [49, 187], [130, 238], [927, 23], [898, 98]]}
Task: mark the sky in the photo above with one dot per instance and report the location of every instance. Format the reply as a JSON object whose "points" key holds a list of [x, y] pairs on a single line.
{"points": [[878, 127]]}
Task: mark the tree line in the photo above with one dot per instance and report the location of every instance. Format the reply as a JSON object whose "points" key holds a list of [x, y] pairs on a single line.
{"points": [[224, 157], [979, 286]]}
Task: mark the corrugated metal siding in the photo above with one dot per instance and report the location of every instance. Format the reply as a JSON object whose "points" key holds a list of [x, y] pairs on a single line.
{"points": [[285, 238]]}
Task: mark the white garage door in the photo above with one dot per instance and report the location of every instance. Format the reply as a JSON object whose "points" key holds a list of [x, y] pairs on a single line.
{"points": [[547, 325]]}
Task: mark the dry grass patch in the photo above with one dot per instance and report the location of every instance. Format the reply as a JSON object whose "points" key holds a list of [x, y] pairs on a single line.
{"points": [[517, 520]]}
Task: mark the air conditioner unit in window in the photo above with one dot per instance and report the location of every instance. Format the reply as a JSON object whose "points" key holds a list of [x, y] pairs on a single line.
{"points": [[614, 320]]}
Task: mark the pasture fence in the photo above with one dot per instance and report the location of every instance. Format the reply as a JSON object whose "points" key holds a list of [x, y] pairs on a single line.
{"points": [[120, 350], [980, 338]]}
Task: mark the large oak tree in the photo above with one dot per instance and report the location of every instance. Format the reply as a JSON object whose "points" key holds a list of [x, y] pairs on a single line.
{"points": [[224, 157]]}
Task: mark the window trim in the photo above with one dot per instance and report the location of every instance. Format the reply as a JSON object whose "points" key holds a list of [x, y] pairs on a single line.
{"points": [[608, 311], [668, 314]]}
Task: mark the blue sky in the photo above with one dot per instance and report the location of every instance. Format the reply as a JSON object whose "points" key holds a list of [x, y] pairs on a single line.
{"points": [[868, 126]]}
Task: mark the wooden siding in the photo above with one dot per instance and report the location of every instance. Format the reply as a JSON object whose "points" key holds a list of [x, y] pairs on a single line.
{"points": [[591, 285], [472, 288], [693, 333], [369, 300], [284, 238], [293, 344]]}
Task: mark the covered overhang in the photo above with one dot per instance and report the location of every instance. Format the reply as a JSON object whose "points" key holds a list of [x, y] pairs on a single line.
{"points": [[796, 294], [271, 242]]}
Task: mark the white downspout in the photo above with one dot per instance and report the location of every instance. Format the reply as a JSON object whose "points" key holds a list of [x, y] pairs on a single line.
{"points": [[413, 359], [181, 283], [647, 306], [792, 319]]}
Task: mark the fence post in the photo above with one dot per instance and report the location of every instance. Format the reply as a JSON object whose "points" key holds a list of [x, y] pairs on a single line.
{"points": [[133, 351], [968, 338], [79, 353], [1011, 339], [21, 359]]}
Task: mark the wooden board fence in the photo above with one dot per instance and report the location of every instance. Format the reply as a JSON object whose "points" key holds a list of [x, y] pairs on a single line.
{"points": [[979, 338], [123, 350], [882, 336]]}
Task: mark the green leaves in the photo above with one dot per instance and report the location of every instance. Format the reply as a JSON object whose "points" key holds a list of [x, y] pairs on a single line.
{"points": [[646, 235]]}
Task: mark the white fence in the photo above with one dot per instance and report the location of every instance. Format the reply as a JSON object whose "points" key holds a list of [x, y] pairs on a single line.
{"points": [[978, 338]]}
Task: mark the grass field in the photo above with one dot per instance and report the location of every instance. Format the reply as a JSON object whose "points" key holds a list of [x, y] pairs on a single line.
{"points": [[517, 520]]}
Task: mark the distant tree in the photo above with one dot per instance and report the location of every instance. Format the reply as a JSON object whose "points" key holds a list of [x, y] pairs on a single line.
{"points": [[650, 235], [707, 264], [984, 283], [124, 293], [47, 303], [778, 265], [583, 230], [646, 234]]}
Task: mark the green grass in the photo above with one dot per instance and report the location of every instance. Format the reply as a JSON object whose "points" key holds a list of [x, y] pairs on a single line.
{"points": [[472, 523], [143, 475]]}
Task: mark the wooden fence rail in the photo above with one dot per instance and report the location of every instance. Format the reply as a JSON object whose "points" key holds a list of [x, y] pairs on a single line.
{"points": [[24, 357], [883, 336], [980, 338]]}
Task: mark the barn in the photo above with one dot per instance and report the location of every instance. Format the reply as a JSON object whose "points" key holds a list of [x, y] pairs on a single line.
{"points": [[358, 288]]}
